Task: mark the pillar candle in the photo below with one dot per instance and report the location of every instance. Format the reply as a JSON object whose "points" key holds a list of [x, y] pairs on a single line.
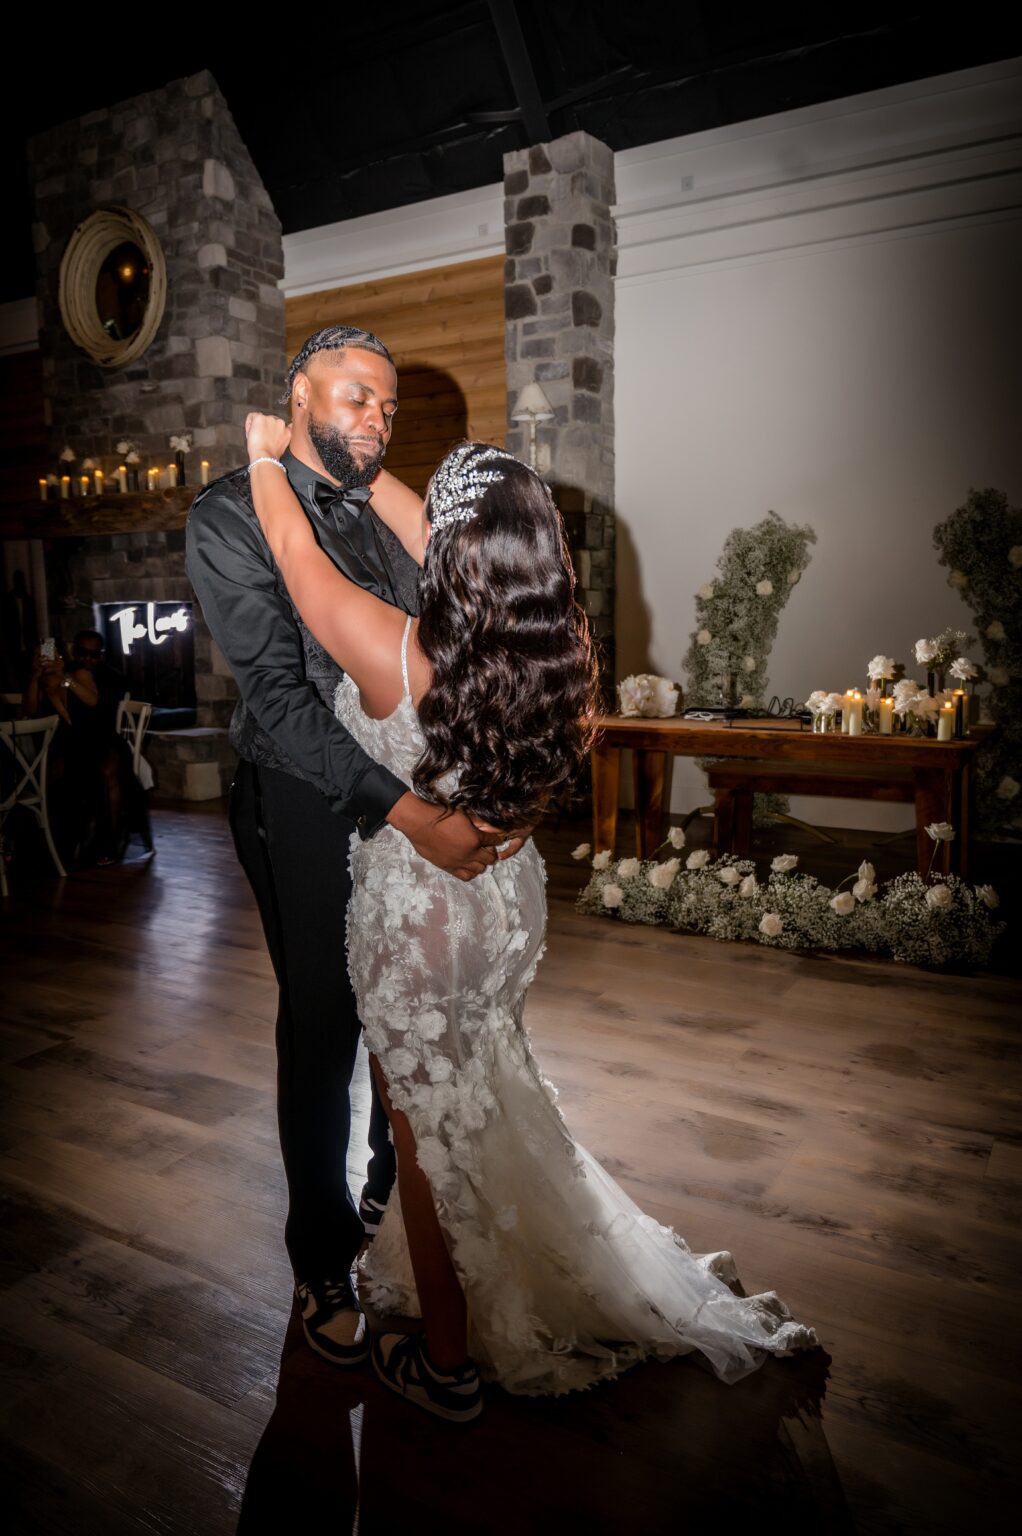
{"points": [[152, 479], [42, 490], [886, 717], [172, 473], [97, 479], [855, 719], [946, 722], [961, 711], [846, 710], [205, 471], [83, 485], [65, 487], [122, 478]]}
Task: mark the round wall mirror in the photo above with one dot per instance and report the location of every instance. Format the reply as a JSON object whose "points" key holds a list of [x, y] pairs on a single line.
{"points": [[113, 286]]}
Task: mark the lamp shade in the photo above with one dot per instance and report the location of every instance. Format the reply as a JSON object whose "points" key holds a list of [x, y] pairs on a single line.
{"points": [[532, 404]]}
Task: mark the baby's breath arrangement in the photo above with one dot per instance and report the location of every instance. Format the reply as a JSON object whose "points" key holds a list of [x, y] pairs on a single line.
{"points": [[738, 611], [981, 544], [938, 921]]}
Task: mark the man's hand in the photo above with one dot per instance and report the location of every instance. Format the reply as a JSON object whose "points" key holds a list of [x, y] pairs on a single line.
{"points": [[452, 843]]}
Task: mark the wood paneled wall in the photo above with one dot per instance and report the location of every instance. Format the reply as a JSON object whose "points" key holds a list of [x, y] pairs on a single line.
{"points": [[445, 330]]}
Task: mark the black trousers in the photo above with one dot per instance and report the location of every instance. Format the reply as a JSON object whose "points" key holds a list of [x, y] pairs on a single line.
{"points": [[294, 850]]}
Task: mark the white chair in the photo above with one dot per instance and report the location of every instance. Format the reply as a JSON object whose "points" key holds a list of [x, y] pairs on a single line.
{"points": [[28, 742], [132, 723], [13, 699]]}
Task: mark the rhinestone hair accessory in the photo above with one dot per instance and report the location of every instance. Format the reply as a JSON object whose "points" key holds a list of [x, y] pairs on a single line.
{"points": [[461, 479]]}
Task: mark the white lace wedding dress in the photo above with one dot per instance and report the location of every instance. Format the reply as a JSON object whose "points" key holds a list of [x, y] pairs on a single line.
{"points": [[566, 1280]]}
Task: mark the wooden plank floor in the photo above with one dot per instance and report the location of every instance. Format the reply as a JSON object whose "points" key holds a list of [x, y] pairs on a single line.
{"points": [[850, 1130]]}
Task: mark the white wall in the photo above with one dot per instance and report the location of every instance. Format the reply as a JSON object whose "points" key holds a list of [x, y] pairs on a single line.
{"points": [[819, 314]]}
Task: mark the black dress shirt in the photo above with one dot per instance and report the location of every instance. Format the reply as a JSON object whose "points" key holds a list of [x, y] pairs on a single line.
{"points": [[285, 716]]}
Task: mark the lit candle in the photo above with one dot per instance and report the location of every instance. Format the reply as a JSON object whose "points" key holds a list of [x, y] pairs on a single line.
{"points": [[152, 479], [886, 717], [172, 472], [42, 490], [846, 710], [98, 481], [946, 722], [83, 485], [122, 478], [961, 708], [205, 471], [65, 487]]}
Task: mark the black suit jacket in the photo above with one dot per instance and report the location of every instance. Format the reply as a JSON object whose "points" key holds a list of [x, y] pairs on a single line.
{"points": [[285, 717]]}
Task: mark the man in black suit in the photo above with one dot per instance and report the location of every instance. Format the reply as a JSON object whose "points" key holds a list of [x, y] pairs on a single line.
{"points": [[303, 785]]}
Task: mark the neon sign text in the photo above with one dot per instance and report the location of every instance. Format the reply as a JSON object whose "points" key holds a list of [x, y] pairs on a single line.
{"points": [[156, 630]]}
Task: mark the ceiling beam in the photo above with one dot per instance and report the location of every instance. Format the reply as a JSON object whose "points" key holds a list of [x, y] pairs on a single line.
{"points": [[519, 67]]}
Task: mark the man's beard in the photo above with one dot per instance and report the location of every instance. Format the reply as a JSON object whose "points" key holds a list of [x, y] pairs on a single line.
{"points": [[337, 458]]}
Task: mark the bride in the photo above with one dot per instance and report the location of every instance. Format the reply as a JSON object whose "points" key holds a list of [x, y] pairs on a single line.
{"points": [[526, 1262]]}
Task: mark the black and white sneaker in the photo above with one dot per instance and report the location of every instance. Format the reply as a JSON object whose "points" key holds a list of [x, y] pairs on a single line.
{"points": [[370, 1214], [332, 1320], [401, 1363]]}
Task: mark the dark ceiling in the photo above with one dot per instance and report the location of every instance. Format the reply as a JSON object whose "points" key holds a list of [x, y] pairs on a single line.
{"points": [[347, 110]]}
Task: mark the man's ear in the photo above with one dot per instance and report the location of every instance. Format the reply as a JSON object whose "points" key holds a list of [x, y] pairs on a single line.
{"points": [[300, 392]]}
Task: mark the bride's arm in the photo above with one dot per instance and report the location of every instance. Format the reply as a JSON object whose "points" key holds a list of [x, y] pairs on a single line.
{"points": [[356, 628], [397, 505]]}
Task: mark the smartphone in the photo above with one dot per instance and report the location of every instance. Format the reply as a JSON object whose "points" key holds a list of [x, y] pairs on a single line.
{"points": [[48, 649]]}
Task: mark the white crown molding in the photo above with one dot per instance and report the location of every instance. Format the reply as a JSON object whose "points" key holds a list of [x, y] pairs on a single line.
{"points": [[19, 327], [883, 165], [444, 230]]}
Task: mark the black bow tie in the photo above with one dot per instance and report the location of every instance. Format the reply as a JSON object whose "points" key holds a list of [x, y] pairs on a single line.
{"points": [[333, 499]]}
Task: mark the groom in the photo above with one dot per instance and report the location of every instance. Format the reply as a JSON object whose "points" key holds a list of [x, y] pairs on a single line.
{"points": [[302, 787]]}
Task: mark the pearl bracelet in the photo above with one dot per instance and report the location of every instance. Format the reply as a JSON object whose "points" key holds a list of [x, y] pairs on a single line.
{"points": [[266, 459]]}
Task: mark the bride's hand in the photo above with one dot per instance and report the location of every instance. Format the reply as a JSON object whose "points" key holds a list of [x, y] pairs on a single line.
{"points": [[266, 436]]}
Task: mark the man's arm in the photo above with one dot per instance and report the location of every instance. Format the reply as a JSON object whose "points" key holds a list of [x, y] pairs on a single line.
{"points": [[252, 623]]}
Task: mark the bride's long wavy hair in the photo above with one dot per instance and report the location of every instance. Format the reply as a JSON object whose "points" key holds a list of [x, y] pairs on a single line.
{"points": [[513, 697]]}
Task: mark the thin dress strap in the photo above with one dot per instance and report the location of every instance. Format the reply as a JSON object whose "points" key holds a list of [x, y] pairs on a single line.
{"points": [[404, 656]]}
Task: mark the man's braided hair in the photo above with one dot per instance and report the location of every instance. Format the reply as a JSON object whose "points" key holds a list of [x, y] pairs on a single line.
{"points": [[333, 338]]}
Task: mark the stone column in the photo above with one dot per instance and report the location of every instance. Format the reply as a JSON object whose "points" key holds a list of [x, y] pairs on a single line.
{"points": [[559, 328]]}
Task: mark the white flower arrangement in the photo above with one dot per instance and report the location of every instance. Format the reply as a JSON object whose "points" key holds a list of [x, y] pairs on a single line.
{"points": [[182, 442], [935, 922], [67, 454], [983, 539], [881, 669], [646, 694]]}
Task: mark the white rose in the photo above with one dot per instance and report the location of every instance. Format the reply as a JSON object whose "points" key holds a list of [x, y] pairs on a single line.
{"points": [[749, 663], [864, 890], [996, 631], [601, 860], [998, 676], [748, 887], [784, 863], [704, 637], [959, 579], [707, 590], [1015, 555], [925, 652], [697, 859], [582, 851], [866, 871], [770, 924], [628, 869], [1008, 788], [123, 447], [764, 588], [612, 895], [842, 903], [676, 837], [880, 666], [794, 576], [661, 876], [941, 831], [400, 1063], [729, 875], [964, 669], [988, 896], [939, 897]]}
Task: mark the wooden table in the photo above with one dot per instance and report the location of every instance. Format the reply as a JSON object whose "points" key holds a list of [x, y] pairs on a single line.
{"points": [[939, 773]]}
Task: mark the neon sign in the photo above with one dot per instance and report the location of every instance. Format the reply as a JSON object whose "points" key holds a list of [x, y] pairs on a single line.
{"points": [[156, 630]]}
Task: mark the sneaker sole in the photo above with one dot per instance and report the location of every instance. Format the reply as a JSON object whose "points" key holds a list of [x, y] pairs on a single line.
{"points": [[452, 1415], [342, 1360]]}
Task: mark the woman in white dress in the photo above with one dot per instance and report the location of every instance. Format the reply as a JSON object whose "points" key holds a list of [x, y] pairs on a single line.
{"points": [[526, 1262]]}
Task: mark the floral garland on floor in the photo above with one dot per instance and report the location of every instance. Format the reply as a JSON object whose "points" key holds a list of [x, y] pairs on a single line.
{"points": [[935, 922], [981, 543]]}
